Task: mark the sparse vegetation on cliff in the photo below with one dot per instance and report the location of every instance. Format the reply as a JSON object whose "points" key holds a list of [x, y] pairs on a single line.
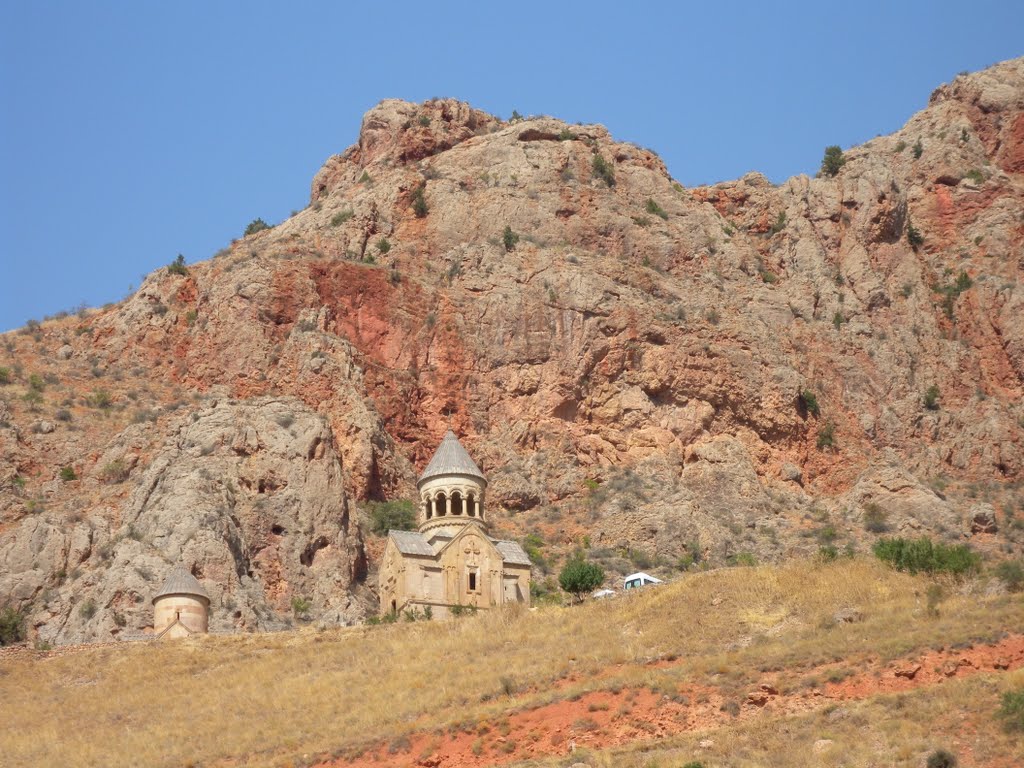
{"points": [[810, 402], [509, 239], [12, 625], [603, 170], [419, 201], [833, 161], [256, 225], [177, 267]]}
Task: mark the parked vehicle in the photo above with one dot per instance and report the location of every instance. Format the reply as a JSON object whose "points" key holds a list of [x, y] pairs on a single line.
{"points": [[637, 580]]}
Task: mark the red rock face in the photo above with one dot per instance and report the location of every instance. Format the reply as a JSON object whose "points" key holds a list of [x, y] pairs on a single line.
{"points": [[1012, 153], [706, 372]]}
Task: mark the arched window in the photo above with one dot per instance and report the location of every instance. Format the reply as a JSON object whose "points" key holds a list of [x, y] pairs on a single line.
{"points": [[471, 505], [442, 504], [426, 509], [457, 504]]}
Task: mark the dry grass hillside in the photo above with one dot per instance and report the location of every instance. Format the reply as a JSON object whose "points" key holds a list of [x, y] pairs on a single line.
{"points": [[848, 663]]}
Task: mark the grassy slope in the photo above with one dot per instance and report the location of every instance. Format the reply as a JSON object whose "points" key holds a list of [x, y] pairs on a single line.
{"points": [[277, 698]]}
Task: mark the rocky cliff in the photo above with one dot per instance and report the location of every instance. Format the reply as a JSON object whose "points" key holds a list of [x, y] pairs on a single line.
{"points": [[660, 373]]}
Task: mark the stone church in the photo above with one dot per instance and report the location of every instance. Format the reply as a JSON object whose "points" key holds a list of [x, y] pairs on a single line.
{"points": [[450, 560]]}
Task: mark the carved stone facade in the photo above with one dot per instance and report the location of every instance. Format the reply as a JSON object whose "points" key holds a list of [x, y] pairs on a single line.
{"points": [[450, 561]]}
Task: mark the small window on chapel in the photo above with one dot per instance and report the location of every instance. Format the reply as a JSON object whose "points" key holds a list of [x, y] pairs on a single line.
{"points": [[472, 580]]}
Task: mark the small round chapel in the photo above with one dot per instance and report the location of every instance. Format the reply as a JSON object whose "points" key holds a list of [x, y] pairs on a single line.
{"points": [[450, 563], [182, 607]]}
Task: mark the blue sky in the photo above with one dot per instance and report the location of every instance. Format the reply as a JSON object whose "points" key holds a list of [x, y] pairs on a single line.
{"points": [[134, 131]]}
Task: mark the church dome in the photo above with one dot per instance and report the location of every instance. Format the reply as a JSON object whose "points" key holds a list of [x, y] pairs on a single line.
{"points": [[451, 458], [181, 582]]}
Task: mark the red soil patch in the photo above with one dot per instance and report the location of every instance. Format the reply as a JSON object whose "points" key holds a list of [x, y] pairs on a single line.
{"points": [[606, 719]]}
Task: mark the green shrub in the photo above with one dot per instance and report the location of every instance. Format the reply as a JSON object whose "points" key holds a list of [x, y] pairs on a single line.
{"points": [[509, 239], [566, 135], [532, 544], [914, 236], [918, 149], [931, 398], [838, 319], [366, 178], [100, 398], [177, 267], [810, 402], [827, 553], [951, 292], [67, 474], [827, 436], [923, 556], [827, 534], [940, 758], [383, 245], [5, 376], [1011, 572], [341, 217], [603, 170], [579, 577], [976, 176], [300, 607], [1011, 710], [875, 518], [419, 201], [87, 609], [12, 626], [115, 471], [399, 515], [654, 208], [832, 161], [423, 120], [256, 225]]}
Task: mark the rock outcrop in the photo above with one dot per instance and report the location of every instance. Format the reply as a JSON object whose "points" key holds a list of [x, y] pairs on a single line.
{"points": [[248, 496]]}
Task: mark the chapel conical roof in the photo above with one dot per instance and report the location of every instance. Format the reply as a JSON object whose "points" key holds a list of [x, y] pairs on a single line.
{"points": [[181, 582], [451, 458]]}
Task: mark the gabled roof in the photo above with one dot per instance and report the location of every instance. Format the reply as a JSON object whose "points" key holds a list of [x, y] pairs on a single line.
{"points": [[511, 552], [411, 543], [451, 458], [181, 582]]}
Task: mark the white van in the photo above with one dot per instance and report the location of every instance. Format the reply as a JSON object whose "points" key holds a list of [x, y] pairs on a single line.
{"points": [[637, 580]]}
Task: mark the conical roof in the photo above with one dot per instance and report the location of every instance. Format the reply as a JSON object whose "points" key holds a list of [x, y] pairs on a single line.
{"points": [[451, 458], [181, 582]]}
